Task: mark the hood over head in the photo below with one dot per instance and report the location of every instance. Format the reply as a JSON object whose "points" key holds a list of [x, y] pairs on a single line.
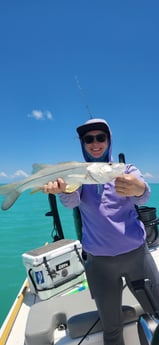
{"points": [[92, 125]]}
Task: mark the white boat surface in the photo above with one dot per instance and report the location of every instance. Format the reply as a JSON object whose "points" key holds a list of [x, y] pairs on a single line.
{"points": [[63, 313]]}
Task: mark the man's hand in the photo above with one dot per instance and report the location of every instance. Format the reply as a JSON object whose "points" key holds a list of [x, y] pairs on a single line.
{"points": [[55, 187], [129, 185]]}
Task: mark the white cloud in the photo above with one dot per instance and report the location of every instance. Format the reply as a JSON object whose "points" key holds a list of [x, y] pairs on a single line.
{"points": [[41, 115], [150, 178], [20, 173], [37, 114], [17, 175], [148, 175], [3, 174], [48, 115]]}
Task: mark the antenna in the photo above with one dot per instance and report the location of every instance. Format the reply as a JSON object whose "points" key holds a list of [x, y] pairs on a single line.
{"points": [[83, 96]]}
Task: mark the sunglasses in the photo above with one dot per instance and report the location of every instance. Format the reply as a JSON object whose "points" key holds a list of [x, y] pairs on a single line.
{"points": [[89, 139]]}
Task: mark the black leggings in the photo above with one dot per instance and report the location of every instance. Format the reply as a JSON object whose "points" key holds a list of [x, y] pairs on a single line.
{"points": [[104, 274]]}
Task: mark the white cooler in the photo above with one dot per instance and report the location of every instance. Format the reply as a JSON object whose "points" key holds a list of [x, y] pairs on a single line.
{"points": [[54, 267]]}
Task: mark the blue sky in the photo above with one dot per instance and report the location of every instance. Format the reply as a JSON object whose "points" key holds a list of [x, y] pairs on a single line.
{"points": [[50, 50]]}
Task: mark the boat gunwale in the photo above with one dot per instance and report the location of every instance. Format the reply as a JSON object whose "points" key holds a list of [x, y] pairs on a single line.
{"points": [[12, 315]]}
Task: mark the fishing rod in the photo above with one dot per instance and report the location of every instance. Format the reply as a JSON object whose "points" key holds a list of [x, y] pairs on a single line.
{"points": [[83, 97], [57, 232], [121, 158]]}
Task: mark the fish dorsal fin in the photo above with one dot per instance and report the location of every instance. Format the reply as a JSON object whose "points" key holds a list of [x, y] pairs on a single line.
{"points": [[38, 166]]}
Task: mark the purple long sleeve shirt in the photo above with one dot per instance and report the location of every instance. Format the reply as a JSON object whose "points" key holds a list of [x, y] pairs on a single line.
{"points": [[110, 224]]}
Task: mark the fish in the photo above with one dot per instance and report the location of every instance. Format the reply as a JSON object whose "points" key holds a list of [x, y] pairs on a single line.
{"points": [[75, 174]]}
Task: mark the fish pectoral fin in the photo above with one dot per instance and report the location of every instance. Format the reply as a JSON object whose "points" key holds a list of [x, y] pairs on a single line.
{"points": [[70, 188], [36, 190]]}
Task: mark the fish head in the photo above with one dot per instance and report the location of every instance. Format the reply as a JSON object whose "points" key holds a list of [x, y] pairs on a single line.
{"points": [[105, 172]]}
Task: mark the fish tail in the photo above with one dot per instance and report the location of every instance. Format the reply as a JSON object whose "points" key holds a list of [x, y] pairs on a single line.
{"points": [[10, 200], [10, 195]]}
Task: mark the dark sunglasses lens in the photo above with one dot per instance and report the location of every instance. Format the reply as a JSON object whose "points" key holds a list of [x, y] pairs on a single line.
{"points": [[101, 138], [88, 139]]}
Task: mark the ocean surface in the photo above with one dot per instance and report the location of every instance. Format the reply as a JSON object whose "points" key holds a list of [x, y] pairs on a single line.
{"points": [[25, 227]]}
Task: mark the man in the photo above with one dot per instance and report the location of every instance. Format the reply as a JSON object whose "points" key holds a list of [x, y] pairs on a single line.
{"points": [[112, 235]]}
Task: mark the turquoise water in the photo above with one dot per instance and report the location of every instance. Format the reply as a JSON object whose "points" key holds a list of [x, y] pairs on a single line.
{"points": [[24, 227]]}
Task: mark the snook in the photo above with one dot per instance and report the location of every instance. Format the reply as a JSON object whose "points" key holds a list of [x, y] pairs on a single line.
{"points": [[73, 173]]}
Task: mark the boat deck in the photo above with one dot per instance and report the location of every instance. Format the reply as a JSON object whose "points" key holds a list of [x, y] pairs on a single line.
{"points": [[31, 307], [28, 303]]}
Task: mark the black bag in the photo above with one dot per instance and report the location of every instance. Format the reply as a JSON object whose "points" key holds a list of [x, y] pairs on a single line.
{"points": [[148, 216]]}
